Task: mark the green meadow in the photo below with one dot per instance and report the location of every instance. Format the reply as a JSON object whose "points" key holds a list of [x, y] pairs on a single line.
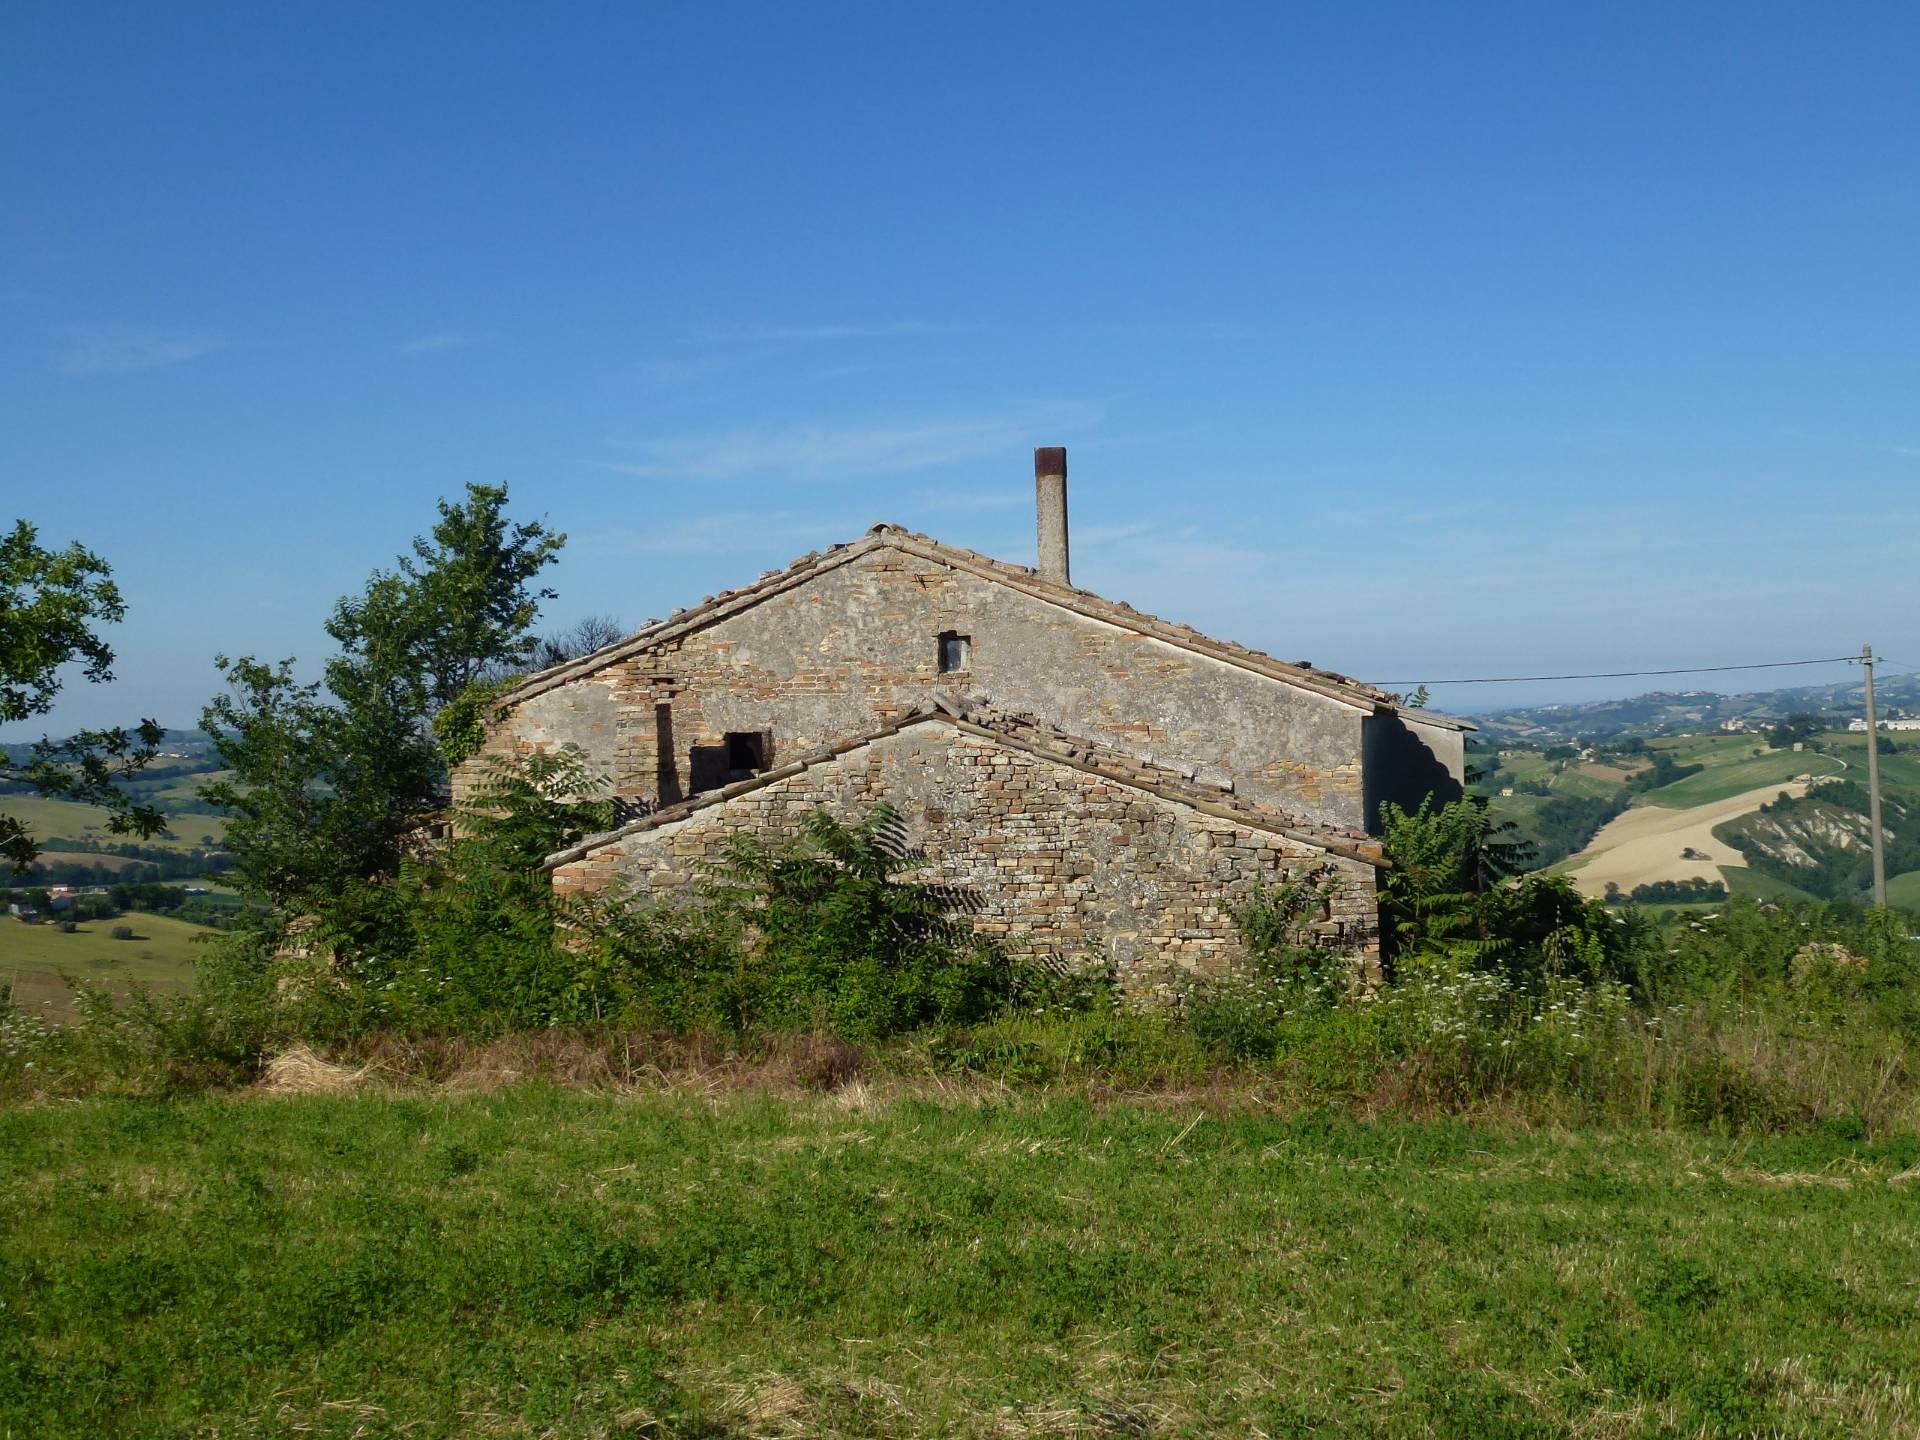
{"points": [[538, 1262], [1904, 890]]}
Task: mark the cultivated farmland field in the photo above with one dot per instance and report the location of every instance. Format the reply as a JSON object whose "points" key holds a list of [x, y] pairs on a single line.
{"points": [[34, 958], [67, 819], [1747, 883], [1650, 843], [1733, 769], [540, 1262]]}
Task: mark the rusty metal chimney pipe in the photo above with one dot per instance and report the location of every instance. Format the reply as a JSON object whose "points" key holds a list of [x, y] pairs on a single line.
{"points": [[1050, 511]]}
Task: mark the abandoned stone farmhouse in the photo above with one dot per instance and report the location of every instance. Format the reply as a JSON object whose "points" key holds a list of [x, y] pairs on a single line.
{"points": [[1107, 784]]}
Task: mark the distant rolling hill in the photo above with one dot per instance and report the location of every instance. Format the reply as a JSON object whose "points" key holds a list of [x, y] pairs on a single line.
{"points": [[1666, 712]]}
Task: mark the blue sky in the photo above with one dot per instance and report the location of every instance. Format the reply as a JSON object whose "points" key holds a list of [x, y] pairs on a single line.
{"points": [[1412, 340]]}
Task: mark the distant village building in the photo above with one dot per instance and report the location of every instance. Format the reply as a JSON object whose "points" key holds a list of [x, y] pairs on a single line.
{"points": [[1107, 784], [1858, 724]]}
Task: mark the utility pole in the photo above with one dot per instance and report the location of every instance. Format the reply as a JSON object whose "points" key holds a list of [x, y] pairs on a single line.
{"points": [[1873, 785]]}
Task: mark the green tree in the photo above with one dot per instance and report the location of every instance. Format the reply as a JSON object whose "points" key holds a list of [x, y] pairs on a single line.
{"points": [[51, 603], [460, 606], [323, 785], [1795, 729], [329, 779], [1447, 861], [1455, 894]]}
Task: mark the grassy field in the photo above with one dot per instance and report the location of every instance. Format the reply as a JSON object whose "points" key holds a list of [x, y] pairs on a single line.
{"points": [[1732, 770], [1900, 770], [66, 819], [539, 1262], [1711, 749], [34, 957], [188, 786], [1749, 883], [1904, 890]]}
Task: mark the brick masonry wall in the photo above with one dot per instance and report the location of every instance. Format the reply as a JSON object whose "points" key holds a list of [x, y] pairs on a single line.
{"points": [[855, 647], [1061, 861]]}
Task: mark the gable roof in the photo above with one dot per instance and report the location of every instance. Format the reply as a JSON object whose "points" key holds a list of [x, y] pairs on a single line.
{"points": [[1024, 733], [1015, 577]]}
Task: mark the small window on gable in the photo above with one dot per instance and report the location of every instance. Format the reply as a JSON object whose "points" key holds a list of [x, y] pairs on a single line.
{"points": [[956, 652]]}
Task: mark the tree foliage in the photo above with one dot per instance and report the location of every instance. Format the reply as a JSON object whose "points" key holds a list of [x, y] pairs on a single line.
{"points": [[1446, 861], [462, 602], [330, 778], [1795, 729], [1456, 896], [323, 787], [51, 605], [583, 637]]}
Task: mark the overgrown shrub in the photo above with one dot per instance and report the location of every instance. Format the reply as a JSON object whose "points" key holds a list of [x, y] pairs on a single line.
{"points": [[1510, 995], [830, 932], [843, 939]]}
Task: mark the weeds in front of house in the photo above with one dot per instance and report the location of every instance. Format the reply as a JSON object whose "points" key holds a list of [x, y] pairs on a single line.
{"points": [[831, 959]]}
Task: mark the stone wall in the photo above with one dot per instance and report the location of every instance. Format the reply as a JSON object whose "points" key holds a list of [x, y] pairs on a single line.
{"points": [[583, 714], [856, 646], [1062, 861]]}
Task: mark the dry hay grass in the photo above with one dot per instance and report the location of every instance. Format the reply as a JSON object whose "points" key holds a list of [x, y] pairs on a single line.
{"points": [[768, 1406], [616, 1061], [299, 1071]]}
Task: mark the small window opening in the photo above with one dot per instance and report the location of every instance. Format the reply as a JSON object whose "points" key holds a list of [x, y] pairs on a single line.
{"points": [[746, 753], [956, 652]]}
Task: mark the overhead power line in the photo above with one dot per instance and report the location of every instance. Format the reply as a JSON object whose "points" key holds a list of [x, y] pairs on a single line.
{"points": [[1627, 674]]}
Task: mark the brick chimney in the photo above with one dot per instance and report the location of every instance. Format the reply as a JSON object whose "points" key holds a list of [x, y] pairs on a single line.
{"points": [[1050, 511]]}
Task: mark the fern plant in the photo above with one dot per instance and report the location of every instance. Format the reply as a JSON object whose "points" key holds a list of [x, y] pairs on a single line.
{"points": [[1447, 861], [842, 937]]}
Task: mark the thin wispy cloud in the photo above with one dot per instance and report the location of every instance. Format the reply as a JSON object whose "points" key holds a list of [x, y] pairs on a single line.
{"points": [[816, 452], [767, 334], [843, 372], [679, 372], [1872, 447], [119, 349], [446, 340], [786, 532], [970, 502]]}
